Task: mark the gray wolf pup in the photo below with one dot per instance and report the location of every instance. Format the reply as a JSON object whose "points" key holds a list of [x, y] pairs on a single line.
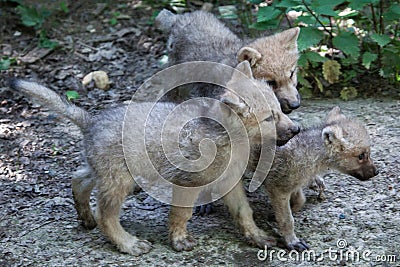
{"points": [[106, 165], [340, 144], [201, 36]]}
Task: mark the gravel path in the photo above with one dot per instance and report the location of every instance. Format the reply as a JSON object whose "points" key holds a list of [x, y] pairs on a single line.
{"points": [[38, 225]]}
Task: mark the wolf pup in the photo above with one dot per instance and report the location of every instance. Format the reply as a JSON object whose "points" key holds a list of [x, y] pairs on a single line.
{"points": [[201, 36], [341, 144], [107, 169]]}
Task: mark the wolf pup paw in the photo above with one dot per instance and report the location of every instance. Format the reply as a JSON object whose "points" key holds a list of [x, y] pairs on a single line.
{"points": [[88, 223], [204, 209], [136, 247], [262, 240], [299, 245], [185, 243]]}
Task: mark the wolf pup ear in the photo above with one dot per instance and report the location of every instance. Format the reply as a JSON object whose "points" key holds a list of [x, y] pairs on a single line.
{"points": [[333, 136], [289, 37], [165, 20], [334, 115], [232, 100], [249, 54], [243, 67]]}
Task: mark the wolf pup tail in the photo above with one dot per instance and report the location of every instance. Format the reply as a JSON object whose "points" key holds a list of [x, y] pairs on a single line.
{"points": [[165, 20], [51, 100]]}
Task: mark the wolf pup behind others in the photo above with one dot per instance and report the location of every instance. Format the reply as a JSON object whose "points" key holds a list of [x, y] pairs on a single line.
{"points": [[340, 144], [201, 36], [107, 169]]}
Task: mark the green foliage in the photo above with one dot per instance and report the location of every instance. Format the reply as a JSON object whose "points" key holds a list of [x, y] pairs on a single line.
{"points": [[359, 36], [32, 16], [71, 95], [348, 43], [368, 58], [36, 17], [6, 62], [114, 20], [45, 42], [309, 37], [64, 7], [348, 93]]}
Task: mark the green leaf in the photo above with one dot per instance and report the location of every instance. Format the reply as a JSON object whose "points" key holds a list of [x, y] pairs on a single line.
{"points": [[326, 10], [326, 7], [348, 43], [381, 39], [305, 92], [256, 2], [392, 13], [288, 3], [5, 64], [359, 4], [113, 21], [395, 8], [315, 57], [46, 42], [302, 62], [267, 13], [327, 2], [64, 7], [29, 16], [306, 19], [272, 24], [349, 61], [349, 75], [308, 37], [33, 17], [368, 58], [303, 81], [72, 95]]}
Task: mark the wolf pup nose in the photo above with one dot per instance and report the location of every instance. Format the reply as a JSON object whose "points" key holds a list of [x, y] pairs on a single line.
{"points": [[294, 105]]}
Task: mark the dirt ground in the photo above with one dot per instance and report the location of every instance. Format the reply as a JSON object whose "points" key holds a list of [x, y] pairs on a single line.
{"points": [[38, 153]]}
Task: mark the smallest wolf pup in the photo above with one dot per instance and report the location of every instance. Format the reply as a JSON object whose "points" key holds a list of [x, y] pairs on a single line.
{"points": [[340, 143]]}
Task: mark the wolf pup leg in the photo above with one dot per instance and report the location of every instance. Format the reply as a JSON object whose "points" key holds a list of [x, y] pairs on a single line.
{"points": [[82, 186], [112, 193], [242, 213]]}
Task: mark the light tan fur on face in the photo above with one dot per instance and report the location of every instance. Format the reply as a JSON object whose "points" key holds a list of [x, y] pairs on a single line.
{"points": [[274, 58], [285, 128]]}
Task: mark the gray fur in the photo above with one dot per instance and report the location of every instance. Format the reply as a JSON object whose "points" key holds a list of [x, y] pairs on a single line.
{"points": [[334, 145], [106, 166], [201, 36]]}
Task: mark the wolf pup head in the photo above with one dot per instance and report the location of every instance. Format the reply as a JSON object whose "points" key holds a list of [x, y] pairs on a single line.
{"points": [[274, 58], [285, 128], [349, 145]]}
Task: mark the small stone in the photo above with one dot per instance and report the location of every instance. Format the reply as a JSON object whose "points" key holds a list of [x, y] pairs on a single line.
{"points": [[342, 216]]}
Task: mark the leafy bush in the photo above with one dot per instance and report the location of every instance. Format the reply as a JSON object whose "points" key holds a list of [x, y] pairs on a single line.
{"points": [[36, 17], [339, 40]]}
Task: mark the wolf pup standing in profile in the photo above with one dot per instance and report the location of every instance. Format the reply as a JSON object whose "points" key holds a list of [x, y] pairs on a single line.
{"points": [[200, 36], [107, 167], [341, 144]]}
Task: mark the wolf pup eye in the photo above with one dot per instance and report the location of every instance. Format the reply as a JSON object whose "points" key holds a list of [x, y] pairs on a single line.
{"points": [[291, 74], [273, 84], [270, 118], [361, 156]]}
